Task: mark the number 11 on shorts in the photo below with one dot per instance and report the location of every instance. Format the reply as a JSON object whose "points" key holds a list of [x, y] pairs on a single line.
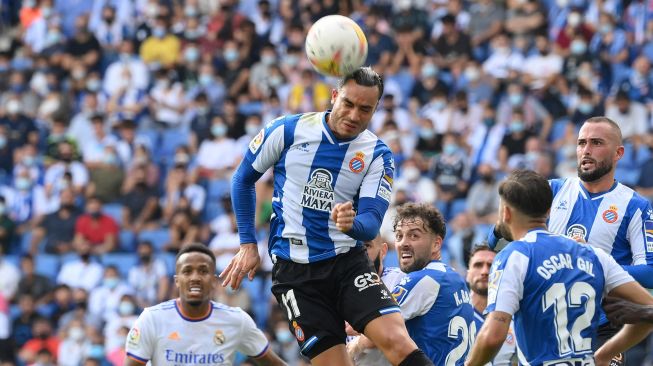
{"points": [[290, 303]]}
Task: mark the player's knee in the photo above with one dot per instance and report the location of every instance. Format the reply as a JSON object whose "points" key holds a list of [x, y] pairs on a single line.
{"points": [[397, 343]]}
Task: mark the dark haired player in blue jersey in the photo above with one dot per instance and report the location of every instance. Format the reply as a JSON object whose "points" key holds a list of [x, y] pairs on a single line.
{"points": [[332, 186], [434, 298], [552, 285]]}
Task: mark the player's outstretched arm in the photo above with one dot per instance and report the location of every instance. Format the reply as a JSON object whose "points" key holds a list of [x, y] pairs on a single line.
{"points": [[622, 312], [269, 358], [631, 334], [489, 339], [244, 263]]}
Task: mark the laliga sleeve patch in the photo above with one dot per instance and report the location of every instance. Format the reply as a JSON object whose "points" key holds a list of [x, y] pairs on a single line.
{"points": [[256, 142], [134, 337], [648, 230], [493, 286]]}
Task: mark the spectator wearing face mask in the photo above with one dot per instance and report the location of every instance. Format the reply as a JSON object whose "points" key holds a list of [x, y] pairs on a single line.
{"points": [[55, 176], [73, 343], [149, 278], [96, 229], [26, 201], [43, 338], [208, 167], [21, 129], [104, 301], [162, 47], [83, 272], [57, 229], [125, 316]]}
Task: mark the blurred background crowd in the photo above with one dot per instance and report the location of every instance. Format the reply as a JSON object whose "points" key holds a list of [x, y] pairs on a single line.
{"points": [[121, 122]]}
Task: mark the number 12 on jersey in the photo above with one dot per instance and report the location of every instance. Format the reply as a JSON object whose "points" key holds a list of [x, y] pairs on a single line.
{"points": [[557, 297]]}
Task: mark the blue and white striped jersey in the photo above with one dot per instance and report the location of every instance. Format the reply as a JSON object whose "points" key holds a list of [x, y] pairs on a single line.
{"points": [[313, 171], [553, 287], [439, 317], [507, 351], [619, 221]]}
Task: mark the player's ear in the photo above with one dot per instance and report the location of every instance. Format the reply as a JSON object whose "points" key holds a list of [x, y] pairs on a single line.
{"points": [[620, 152], [176, 281], [384, 250], [334, 95]]}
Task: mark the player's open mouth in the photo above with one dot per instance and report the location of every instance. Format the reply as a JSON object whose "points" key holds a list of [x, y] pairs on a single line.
{"points": [[586, 162], [405, 255], [195, 290]]}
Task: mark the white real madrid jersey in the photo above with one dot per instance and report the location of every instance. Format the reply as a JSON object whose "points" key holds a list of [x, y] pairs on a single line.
{"points": [[164, 336], [313, 171], [619, 221]]}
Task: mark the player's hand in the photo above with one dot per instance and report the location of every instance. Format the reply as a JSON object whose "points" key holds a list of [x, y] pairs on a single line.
{"points": [[350, 330], [343, 215], [245, 262], [622, 312], [579, 239]]}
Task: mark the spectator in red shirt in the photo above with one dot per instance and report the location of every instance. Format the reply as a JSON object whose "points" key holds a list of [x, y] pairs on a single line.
{"points": [[43, 338], [96, 229]]}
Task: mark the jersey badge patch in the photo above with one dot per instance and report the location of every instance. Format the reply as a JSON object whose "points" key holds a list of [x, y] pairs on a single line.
{"points": [[648, 229], [256, 142], [299, 332], [610, 215], [218, 337], [357, 164], [134, 337]]}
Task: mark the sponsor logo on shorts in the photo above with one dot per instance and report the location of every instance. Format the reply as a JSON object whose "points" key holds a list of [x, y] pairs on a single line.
{"points": [[318, 192], [219, 338], [577, 231], [367, 280], [299, 332]]}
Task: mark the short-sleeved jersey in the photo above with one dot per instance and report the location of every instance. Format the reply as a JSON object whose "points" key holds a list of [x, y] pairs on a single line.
{"points": [[508, 348], [313, 171], [619, 221], [435, 303], [374, 357], [553, 287], [164, 336]]}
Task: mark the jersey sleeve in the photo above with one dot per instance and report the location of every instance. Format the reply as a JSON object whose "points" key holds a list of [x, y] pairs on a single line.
{"points": [[640, 234], [379, 178], [614, 274], [265, 148], [506, 282], [140, 340], [416, 293], [253, 342]]}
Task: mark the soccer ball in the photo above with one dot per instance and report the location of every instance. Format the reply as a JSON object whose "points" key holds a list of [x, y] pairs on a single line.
{"points": [[336, 46]]}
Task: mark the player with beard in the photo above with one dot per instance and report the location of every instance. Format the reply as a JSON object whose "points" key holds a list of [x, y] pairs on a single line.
{"points": [[551, 286], [480, 261], [361, 350], [193, 330], [596, 209], [434, 298]]}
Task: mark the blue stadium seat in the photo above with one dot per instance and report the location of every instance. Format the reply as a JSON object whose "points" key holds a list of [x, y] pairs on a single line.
{"points": [[170, 140], [217, 188], [47, 265], [127, 241], [114, 210], [123, 261], [13, 259], [169, 260], [158, 238]]}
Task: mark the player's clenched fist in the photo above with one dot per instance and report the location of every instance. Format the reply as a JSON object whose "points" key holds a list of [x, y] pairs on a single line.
{"points": [[343, 215]]}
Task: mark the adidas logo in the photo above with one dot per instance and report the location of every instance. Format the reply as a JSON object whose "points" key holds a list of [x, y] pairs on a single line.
{"points": [[174, 336]]}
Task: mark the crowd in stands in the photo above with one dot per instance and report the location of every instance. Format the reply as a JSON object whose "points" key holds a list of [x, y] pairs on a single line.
{"points": [[121, 122]]}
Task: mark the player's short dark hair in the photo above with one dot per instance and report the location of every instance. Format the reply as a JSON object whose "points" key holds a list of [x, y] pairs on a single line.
{"points": [[528, 192], [482, 247], [430, 215], [195, 248], [603, 119], [364, 76]]}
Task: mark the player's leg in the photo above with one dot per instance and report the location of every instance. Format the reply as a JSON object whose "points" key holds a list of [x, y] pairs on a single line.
{"points": [[307, 296], [370, 309]]}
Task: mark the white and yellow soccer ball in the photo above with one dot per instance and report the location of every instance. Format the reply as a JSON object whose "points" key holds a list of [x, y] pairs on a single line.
{"points": [[336, 46]]}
